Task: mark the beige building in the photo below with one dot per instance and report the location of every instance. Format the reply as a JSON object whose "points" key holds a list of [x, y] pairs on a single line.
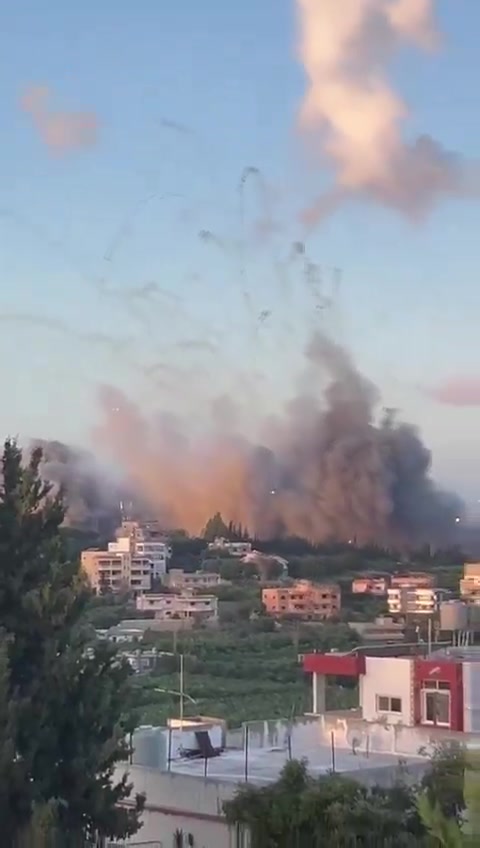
{"points": [[179, 579], [116, 571], [415, 601], [130, 563], [470, 583], [412, 580], [221, 545], [180, 606], [304, 599]]}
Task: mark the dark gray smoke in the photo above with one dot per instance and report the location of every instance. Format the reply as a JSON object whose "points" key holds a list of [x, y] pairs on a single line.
{"points": [[327, 469], [92, 499]]}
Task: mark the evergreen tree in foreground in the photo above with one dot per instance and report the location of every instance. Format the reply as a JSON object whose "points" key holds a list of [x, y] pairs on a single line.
{"points": [[62, 707]]}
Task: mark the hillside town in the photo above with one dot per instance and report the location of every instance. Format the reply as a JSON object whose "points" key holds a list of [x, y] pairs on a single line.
{"points": [[410, 674]]}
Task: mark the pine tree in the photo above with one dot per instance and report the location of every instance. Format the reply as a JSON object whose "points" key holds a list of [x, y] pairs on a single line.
{"points": [[215, 528], [61, 703]]}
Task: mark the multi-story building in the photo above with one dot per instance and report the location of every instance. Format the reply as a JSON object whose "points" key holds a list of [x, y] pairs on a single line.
{"points": [[412, 580], [233, 548], [177, 578], [371, 584], [144, 540], [116, 571], [440, 690], [470, 583], [415, 601], [180, 606], [304, 599], [130, 563]]}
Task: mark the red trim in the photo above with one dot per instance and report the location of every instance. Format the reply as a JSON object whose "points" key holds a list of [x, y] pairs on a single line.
{"points": [[339, 665], [447, 672]]}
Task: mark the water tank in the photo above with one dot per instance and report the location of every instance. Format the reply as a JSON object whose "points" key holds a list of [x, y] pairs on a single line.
{"points": [[474, 616], [146, 748], [453, 616]]}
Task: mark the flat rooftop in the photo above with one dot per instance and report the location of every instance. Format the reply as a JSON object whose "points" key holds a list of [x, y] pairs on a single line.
{"points": [[265, 765]]}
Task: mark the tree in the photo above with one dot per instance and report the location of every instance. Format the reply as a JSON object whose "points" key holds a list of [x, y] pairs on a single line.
{"points": [[215, 528], [62, 724], [328, 812]]}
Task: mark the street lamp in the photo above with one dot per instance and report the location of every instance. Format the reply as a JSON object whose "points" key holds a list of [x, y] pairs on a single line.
{"points": [[182, 694]]}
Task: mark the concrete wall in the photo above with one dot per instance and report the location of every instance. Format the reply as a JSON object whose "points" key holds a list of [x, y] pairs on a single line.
{"points": [[471, 696], [190, 804], [389, 677], [350, 731]]}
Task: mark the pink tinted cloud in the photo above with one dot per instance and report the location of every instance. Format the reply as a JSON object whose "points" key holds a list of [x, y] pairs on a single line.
{"points": [[60, 130], [457, 391]]}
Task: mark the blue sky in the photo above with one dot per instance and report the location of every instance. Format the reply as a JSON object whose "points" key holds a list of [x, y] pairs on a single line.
{"points": [[227, 72]]}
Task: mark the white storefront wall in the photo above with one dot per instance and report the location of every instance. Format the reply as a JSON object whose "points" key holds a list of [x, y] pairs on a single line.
{"points": [[471, 697], [387, 678]]}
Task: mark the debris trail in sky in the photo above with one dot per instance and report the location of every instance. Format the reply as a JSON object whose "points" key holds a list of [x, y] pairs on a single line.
{"points": [[125, 227]]}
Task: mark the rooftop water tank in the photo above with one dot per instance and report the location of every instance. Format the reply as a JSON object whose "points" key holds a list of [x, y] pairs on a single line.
{"points": [[453, 616]]}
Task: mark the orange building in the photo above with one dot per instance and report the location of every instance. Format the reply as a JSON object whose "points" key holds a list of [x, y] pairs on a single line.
{"points": [[304, 599]]}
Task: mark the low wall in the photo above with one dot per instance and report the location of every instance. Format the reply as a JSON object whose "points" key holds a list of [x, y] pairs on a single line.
{"points": [[178, 802], [349, 732]]}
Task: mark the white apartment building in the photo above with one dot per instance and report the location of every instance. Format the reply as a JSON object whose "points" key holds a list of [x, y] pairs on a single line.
{"points": [[177, 578], [117, 571], [233, 548], [422, 600], [182, 606]]}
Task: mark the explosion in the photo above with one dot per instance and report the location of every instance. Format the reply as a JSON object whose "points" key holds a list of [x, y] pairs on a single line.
{"points": [[325, 469]]}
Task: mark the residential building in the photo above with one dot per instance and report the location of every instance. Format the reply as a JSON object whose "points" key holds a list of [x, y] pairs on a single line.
{"points": [[144, 540], [304, 599], [233, 548], [383, 629], [412, 580], [180, 606], [415, 601], [439, 690], [130, 563], [470, 583], [116, 571], [177, 578], [371, 584]]}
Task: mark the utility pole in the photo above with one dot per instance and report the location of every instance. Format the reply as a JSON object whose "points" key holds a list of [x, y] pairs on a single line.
{"points": [[181, 690]]}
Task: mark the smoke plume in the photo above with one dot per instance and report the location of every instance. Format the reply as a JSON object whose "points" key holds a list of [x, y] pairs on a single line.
{"points": [[60, 131], [324, 469], [354, 116], [92, 498], [457, 391]]}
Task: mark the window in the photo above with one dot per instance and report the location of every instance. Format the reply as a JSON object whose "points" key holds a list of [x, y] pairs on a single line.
{"points": [[385, 704], [436, 707]]}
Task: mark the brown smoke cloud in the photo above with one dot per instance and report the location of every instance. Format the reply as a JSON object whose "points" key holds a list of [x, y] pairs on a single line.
{"points": [[457, 391], [59, 130], [353, 115], [324, 469]]}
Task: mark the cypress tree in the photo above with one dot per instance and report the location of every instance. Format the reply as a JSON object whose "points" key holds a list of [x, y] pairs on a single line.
{"points": [[63, 703]]}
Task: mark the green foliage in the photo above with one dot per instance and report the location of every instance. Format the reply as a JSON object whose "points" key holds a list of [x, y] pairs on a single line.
{"points": [[328, 812], [215, 527], [241, 673], [444, 782], [61, 733]]}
